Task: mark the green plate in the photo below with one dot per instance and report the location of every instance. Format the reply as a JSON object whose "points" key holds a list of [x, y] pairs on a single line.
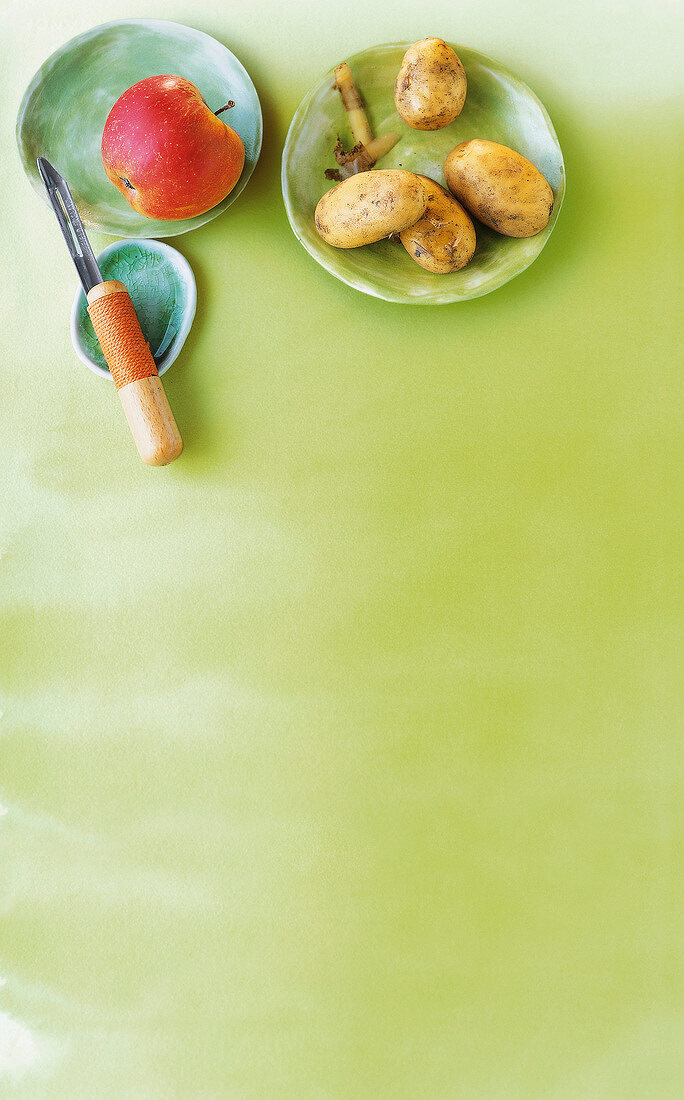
{"points": [[64, 109], [498, 106], [163, 290]]}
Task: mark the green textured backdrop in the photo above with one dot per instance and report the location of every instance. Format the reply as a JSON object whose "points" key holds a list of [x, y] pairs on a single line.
{"points": [[339, 757]]}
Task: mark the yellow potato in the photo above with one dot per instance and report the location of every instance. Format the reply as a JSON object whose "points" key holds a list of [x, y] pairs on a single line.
{"points": [[369, 206], [443, 239], [430, 89], [500, 187]]}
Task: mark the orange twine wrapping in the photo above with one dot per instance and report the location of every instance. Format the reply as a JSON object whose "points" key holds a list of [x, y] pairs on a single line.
{"points": [[126, 352]]}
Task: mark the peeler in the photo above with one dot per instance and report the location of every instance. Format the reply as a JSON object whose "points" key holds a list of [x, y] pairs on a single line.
{"points": [[117, 328]]}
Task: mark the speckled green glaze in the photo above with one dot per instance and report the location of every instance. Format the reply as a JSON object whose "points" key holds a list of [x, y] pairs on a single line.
{"points": [[65, 107], [498, 106], [162, 286]]}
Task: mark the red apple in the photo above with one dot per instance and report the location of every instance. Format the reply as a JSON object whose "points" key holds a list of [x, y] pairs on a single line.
{"points": [[167, 152]]}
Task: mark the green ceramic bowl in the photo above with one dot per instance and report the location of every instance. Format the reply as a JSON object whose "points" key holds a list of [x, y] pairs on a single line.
{"points": [[498, 106], [163, 290], [65, 107]]}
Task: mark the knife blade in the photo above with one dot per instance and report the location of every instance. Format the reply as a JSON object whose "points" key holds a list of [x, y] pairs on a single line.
{"points": [[71, 225]]}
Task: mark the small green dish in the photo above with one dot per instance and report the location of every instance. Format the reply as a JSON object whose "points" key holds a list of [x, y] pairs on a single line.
{"points": [[64, 109], [162, 286], [498, 106]]}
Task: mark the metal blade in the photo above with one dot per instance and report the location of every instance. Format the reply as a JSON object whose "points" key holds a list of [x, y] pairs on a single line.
{"points": [[71, 225]]}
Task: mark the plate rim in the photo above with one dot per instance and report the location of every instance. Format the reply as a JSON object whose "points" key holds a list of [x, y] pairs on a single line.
{"points": [[401, 298], [34, 83]]}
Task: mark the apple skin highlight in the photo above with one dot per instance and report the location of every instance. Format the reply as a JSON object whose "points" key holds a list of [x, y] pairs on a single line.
{"points": [[167, 152]]}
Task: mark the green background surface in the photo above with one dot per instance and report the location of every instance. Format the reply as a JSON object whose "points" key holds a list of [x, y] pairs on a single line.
{"points": [[340, 758]]}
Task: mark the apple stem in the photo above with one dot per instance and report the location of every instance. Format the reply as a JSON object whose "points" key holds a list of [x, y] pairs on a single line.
{"points": [[226, 107]]}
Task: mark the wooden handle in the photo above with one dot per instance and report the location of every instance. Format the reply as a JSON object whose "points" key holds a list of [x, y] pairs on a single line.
{"points": [[151, 421], [133, 369]]}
